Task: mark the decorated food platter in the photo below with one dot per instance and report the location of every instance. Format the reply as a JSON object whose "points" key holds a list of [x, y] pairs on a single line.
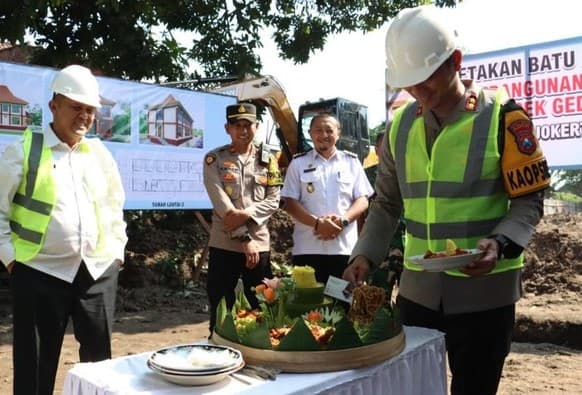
{"points": [[298, 329], [320, 361], [442, 262]]}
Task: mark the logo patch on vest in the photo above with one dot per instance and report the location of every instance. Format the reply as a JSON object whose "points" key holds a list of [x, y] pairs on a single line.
{"points": [[522, 130]]}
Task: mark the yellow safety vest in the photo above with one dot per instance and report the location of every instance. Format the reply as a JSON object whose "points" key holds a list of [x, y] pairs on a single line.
{"points": [[456, 193], [35, 199]]}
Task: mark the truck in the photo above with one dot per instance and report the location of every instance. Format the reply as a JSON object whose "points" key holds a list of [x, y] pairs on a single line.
{"points": [[293, 133]]}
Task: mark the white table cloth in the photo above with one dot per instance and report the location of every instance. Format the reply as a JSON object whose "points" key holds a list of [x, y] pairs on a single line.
{"points": [[420, 369]]}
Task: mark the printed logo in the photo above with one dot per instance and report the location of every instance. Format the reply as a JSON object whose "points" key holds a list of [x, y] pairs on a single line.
{"points": [[522, 131], [210, 158]]}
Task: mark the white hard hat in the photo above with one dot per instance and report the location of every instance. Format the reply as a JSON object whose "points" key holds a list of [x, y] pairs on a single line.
{"points": [[78, 84], [417, 43]]}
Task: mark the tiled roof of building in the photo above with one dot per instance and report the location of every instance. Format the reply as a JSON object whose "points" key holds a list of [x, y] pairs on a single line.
{"points": [[6, 96]]}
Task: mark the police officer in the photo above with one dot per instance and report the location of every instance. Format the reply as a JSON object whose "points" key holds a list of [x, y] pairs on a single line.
{"points": [[243, 183], [325, 191], [463, 163], [62, 234]]}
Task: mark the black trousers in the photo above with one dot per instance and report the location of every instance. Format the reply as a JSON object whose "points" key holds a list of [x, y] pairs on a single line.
{"points": [[41, 306], [477, 343], [224, 270], [324, 265]]}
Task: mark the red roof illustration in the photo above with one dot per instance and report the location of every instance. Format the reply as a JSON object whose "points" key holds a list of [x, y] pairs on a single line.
{"points": [[6, 96]]}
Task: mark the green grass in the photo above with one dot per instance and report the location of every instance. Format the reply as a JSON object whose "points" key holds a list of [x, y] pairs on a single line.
{"points": [[567, 196]]}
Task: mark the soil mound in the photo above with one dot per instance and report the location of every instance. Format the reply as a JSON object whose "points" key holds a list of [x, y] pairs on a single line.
{"points": [[164, 248]]}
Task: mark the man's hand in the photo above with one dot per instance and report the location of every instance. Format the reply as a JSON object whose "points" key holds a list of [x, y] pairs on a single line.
{"points": [[234, 219], [251, 250], [10, 266], [357, 272], [486, 262], [327, 229]]}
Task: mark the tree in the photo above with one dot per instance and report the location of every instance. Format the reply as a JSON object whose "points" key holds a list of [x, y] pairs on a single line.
{"points": [[375, 131], [568, 181], [137, 39]]}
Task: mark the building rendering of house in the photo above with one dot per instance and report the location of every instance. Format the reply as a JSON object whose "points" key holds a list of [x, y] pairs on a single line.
{"points": [[12, 110], [169, 123], [103, 124]]}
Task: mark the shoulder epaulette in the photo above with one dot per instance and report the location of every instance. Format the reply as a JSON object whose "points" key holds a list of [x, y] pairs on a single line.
{"points": [[350, 153], [300, 154], [511, 105]]}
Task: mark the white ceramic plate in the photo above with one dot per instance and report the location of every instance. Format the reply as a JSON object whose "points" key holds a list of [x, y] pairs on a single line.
{"points": [[446, 263], [194, 379], [160, 369], [200, 358]]}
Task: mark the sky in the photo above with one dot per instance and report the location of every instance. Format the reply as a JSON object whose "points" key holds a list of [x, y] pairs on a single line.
{"points": [[352, 65]]}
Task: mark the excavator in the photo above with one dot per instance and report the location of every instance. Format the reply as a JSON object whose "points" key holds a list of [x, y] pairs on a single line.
{"points": [[293, 133]]}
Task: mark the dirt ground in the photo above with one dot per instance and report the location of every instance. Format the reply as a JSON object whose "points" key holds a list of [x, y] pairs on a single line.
{"points": [[546, 355]]}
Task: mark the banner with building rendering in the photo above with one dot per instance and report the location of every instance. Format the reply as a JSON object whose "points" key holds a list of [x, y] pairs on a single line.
{"points": [[157, 135]]}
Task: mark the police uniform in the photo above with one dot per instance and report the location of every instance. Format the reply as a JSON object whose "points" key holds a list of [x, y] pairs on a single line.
{"points": [[483, 306], [325, 187], [242, 181]]}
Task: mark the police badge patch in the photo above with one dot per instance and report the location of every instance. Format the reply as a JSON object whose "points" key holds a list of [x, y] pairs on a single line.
{"points": [[522, 130], [210, 158]]}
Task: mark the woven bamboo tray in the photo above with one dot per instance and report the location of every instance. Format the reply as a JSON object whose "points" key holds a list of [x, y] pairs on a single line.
{"points": [[319, 361]]}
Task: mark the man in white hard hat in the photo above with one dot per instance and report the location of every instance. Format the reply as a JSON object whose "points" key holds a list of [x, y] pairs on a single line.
{"points": [[62, 235], [463, 164]]}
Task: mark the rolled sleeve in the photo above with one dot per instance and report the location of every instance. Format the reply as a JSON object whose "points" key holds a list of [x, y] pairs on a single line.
{"points": [[524, 214]]}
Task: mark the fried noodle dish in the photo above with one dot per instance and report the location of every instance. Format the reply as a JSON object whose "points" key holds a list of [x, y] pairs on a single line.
{"points": [[367, 299]]}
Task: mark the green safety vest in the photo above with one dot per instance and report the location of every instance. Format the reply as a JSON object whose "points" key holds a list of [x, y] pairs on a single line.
{"points": [[35, 199], [455, 194]]}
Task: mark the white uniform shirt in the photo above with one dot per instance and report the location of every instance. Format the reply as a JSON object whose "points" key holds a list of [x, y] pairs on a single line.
{"points": [[73, 229], [325, 186]]}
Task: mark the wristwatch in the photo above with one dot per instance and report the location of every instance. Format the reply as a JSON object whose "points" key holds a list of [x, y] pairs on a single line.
{"points": [[502, 242], [244, 238], [344, 222]]}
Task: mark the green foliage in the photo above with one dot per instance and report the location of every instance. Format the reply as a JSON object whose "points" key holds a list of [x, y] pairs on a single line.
{"points": [[256, 336], [274, 312], [332, 315], [567, 196], [122, 121], [375, 131], [567, 181], [240, 303], [169, 267], [137, 39], [34, 115], [225, 323], [345, 336], [281, 269], [381, 328], [299, 338]]}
